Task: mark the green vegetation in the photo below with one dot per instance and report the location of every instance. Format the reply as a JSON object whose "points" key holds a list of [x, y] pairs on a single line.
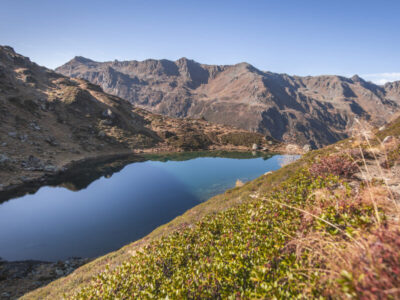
{"points": [[239, 253], [242, 139], [73, 94], [191, 141], [308, 230], [392, 157], [393, 129]]}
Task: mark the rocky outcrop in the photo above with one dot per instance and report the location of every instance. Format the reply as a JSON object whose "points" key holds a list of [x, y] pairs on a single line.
{"points": [[392, 90], [315, 110]]}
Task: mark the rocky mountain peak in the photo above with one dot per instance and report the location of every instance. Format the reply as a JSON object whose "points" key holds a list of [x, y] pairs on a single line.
{"points": [[7, 49], [81, 59], [356, 78], [183, 60], [8, 54], [316, 110]]}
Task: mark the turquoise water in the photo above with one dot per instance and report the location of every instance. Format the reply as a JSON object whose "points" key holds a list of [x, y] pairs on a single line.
{"points": [[57, 223]]}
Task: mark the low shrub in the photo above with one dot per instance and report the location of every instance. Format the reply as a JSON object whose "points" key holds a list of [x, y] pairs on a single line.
{"points": [[190, 141], [338, 165], [235, 254], [242, 138], [392, 157], [374, 272]]}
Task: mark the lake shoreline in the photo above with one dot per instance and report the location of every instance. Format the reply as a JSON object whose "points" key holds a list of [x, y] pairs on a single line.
{"points": [[20, 277], [13, 187], [31, 185]]}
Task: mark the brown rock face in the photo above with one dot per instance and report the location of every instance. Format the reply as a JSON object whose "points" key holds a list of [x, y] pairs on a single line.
{"points": [[305, 110]]}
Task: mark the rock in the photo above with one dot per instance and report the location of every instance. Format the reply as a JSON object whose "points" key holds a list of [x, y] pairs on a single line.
{"points": [[382, 128], [388, 139], [292, 148], [4, 158], [69, 270], [51, 141], [59, 272], [101, 134], [24, 179], [106, 122], [267, 173], [108, 113], [35, 126], [239, 183], [306, 148], [5, 295], [50, 168], [4, 144], [32, 164], [254, 147], [5, 161], [12, 134], [23, 137]]}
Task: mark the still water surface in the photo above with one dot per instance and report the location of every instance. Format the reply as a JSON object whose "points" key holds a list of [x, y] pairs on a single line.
{"points": [[57, 223]]}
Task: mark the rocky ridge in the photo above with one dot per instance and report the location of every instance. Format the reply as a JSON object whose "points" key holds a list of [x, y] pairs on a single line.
{"points": [[316, 110]]}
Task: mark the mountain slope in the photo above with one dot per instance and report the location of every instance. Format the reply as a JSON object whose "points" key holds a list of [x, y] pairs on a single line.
{"points": [[47, 121], [324, 227], [316, 110]]}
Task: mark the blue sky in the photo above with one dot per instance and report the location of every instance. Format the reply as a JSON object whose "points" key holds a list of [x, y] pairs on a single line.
{"points": [[287, 36]]}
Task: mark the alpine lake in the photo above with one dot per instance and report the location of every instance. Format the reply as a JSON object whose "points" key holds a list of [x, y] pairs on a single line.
{"points": [[97, 209]]}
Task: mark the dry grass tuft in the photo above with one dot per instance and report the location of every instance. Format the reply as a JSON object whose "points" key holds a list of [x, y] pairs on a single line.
{"points": [[367, 265]]}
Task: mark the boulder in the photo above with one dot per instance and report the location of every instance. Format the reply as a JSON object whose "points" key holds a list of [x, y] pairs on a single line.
{"points": [[108, 113], [12, 134], [50, 168], [59, 272], [292, 148], [23, 138], [5, 161], [32, 163], [51, 141], [35, 126], [388, 139], [239, 183]]}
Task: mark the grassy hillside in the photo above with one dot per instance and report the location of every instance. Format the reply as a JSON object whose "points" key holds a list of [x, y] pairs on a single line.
{"points": [[325, 226]]}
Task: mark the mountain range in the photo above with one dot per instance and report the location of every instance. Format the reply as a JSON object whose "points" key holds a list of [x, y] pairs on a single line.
{"points": [[315, 110]]}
